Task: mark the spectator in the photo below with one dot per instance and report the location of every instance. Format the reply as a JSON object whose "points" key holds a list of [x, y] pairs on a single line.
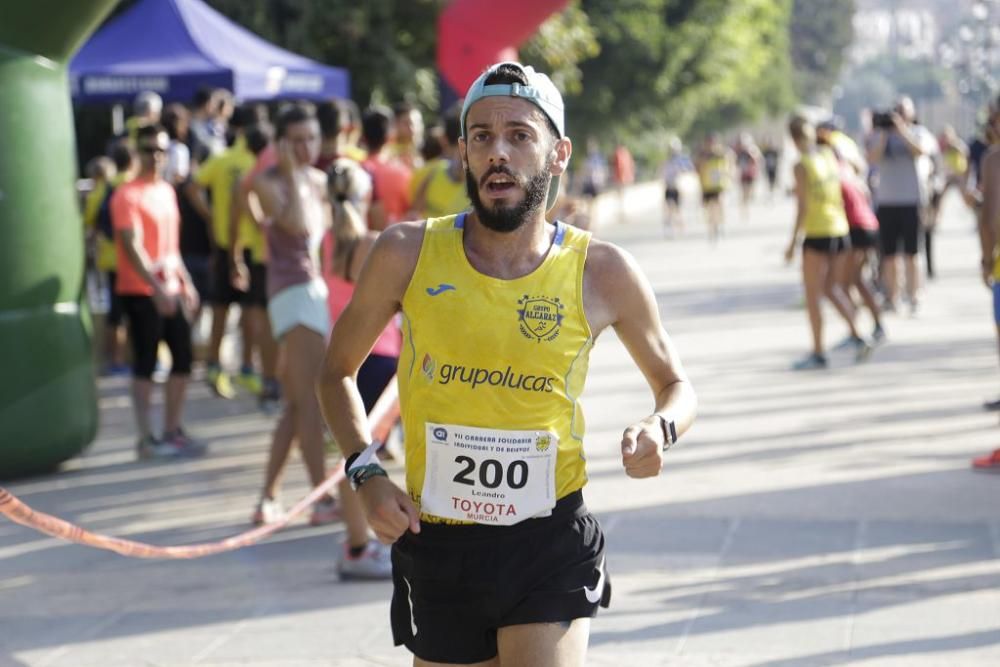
{"points": [[442, 190], [390, 178], [623, 175], [237, 245], [157, 293], [900, 196], [408, 124]]}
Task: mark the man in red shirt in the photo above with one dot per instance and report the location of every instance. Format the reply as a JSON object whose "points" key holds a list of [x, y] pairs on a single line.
{"points": [[158, 296], [390, 177]]}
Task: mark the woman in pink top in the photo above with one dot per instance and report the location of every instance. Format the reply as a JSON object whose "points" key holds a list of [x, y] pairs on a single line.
{"points": [[351, 244]]}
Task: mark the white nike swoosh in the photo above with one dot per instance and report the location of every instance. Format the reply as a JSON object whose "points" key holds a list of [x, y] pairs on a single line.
{"points": [[594, 594], [409, 599]]}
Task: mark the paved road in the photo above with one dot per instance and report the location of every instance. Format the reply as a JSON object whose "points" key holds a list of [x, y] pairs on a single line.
{"points": [[823, 518]]}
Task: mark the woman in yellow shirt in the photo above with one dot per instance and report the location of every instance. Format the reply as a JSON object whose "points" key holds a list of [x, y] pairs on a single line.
{"points": [[825, 260]]}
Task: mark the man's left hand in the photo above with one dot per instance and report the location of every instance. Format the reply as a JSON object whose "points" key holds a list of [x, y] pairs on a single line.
{"points": [[642, 448]]}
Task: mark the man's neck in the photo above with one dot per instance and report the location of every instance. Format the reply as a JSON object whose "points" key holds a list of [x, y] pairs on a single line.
{"points": [[507, 255], [151, 175]]}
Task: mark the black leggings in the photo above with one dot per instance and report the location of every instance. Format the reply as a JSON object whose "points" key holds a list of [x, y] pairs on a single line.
{"points": [[147, 328]]}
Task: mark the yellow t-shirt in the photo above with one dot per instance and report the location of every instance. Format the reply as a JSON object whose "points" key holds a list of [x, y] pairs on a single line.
{"points": [[825, 216], [220, 173], [501, 355], [105, 257], [955, 161], [442, 195], [713, 173]]}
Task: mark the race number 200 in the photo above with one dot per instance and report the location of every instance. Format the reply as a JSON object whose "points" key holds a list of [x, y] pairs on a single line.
{"points": [[488, 476]]}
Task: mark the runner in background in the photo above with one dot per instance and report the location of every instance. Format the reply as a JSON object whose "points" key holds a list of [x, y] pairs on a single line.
{"points": [[714, 164], [748, 162], [622, 175], [772, 156], [676, 165]]}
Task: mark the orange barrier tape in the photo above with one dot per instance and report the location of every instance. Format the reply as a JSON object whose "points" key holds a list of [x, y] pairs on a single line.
{"points": [[383, 415], [18, 512]]}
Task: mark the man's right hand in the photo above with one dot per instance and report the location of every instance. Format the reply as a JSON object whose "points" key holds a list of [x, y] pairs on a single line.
{"points": [[389, 510], [166, 305]]}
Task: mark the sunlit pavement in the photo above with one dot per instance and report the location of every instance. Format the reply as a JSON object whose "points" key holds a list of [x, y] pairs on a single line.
{"points": [[816, 518]]}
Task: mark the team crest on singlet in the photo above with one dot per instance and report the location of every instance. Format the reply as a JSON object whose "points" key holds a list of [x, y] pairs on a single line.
{"points": [[542, 442], [539, 317]]}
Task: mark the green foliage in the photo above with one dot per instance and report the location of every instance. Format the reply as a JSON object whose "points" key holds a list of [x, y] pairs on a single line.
{"points": [[388, 45], [821, 32], [681, 65]]}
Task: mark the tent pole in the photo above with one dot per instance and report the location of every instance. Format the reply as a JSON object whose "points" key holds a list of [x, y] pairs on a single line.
{"points": [[117, 120]]}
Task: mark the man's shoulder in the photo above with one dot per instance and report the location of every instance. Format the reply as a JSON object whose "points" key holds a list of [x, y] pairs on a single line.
{"points": [[607, 261], [401, 240]]}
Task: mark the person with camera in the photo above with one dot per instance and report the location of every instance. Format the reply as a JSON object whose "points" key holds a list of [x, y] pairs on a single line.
{"points": [[895, 147]]}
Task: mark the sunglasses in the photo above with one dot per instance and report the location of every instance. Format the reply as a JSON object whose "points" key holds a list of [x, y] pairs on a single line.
{"points": [[152, 150]]}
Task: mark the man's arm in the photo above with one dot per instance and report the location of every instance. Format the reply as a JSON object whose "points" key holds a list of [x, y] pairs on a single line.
{"points": [[617, 293], [377, 297], [876, 146]]}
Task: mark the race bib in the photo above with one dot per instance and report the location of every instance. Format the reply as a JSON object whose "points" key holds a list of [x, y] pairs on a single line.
{"points": [[489, 476]]}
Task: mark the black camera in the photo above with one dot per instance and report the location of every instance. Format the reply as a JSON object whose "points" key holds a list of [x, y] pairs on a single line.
{"points": [[882, 120]]}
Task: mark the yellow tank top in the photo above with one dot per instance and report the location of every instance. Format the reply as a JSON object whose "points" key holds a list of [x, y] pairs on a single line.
{"points": [[714, 174], [955, 161], [825, 215], [486, 353]]}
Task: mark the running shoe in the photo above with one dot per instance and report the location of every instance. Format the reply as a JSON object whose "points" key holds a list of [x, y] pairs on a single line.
{"points": [[812, 362], [219, 382], [268, 511], [992, 406], [988, 463], [375, 562], [846, 344], [251, 382], [878, 335], [184, 445], [151, 447], [862, 349], [269, 400], [324, 511]]}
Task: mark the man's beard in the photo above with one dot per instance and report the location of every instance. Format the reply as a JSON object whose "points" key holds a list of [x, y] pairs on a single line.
{"points": [[508, 218]]}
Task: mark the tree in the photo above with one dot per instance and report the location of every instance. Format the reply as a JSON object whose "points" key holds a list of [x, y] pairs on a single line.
{"points": [[821, 33]]}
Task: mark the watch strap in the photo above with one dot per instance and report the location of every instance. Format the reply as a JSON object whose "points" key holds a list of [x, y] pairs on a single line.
{"points": [[669, 431]]}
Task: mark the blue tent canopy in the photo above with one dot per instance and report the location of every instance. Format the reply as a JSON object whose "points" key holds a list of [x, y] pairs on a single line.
{"points": [[175, 47]]}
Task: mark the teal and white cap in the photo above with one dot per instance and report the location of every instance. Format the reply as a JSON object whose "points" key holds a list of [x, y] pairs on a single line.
{"points": [[540, 91]]}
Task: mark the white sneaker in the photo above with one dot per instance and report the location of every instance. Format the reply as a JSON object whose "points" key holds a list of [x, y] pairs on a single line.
{"points": [[268, 511], [375, 562]]}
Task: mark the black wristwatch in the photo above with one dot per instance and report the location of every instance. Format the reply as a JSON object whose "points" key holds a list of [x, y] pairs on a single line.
{"points": [[669, 431], [361, 474]]}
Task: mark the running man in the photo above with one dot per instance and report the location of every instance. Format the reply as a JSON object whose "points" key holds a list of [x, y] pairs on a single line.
{"points": [[748, 161], [495, 558], [677, 164], [713, 164]]}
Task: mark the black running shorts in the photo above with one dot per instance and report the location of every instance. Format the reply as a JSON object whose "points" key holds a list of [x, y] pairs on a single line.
{"points": [[455, 586], [828, 245], [899, 224], [864, 238]]}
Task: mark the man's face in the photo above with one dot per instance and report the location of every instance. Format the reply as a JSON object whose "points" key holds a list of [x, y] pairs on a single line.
{"points": [[510, 156], [153, 153], [410, 127], [303, 138]]}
